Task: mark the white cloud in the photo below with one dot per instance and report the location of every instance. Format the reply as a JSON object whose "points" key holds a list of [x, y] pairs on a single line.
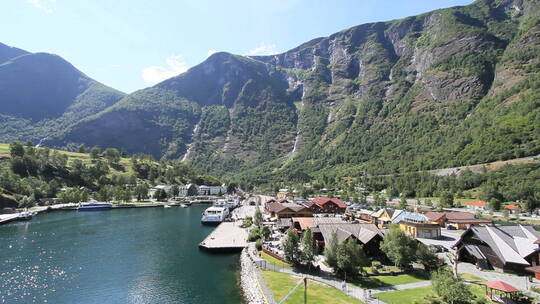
{"points": [[157, 73], [211, 52], [43, 5], [263, 49]]}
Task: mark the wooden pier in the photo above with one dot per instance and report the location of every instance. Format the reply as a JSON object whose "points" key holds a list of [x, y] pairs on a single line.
{"points": [[227, 237]]}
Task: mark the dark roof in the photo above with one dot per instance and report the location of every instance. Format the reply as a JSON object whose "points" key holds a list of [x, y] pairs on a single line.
{"points": [[363, 232], [512, 244]]}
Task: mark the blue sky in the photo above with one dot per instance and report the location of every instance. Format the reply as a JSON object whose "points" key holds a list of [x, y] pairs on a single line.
{"points": [[132, 44]]}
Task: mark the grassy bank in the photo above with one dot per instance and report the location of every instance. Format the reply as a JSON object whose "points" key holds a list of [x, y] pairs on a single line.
{"points": [[281, 283], [417, 295], [390, 280]]}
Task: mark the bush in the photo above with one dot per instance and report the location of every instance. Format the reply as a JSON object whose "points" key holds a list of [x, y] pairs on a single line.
{"points": [[254, 234], [258, 244]]}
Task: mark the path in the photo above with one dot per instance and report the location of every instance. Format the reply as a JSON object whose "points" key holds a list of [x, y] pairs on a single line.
{"points": [[226, 236], [402, 286]]}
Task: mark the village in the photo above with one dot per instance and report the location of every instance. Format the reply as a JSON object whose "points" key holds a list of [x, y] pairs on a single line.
{"points": [[396, 251]]}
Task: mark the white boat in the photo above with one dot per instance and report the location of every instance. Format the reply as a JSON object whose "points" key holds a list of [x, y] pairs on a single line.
{"points": [[94, 206], [166, 206], [184, 205], [214, 215], [25, 215]]}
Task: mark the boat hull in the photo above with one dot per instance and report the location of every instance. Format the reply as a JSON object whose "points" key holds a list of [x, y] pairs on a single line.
{"points": [[100, 208]]}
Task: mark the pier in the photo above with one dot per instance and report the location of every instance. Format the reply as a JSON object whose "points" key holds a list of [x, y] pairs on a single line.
{"points": [[228, 236]]}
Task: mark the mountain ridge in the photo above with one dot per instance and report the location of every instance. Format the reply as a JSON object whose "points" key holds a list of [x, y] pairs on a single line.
{"points": [[450, 87]]}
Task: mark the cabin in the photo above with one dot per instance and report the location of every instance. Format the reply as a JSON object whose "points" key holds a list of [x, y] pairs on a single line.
{"points": [[384, 216], [287, 210], [326, 205], [458, 220], [477, 206], [368, 235], [506, 248], [417, 225]]}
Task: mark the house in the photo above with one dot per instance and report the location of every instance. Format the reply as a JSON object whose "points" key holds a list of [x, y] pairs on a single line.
{"points": [[326, 205], [507, 248], [287, 210], [514, 209], [187, 190], [285, 194], [477, 206], [417, 225], [369, 235], [203, 190], [303, 223], [459, 220], [383, 217], [153, 190]]}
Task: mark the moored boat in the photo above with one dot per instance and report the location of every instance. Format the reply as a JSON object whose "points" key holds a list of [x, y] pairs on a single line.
{"points": [[214, 215], [94, 206]]}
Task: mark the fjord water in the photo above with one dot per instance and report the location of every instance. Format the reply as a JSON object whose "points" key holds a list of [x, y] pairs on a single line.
{"points": [[146, 255]]}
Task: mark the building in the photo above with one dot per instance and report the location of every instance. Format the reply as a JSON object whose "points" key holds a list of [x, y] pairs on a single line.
{"points": [[287, 210], [514, 209], [203, 190], [417, 225], [326, 205], [507, 248], [285, 194], [153, 190], [187, 190], [369, 235], [384, 216], [477, 206], [458, 220]]}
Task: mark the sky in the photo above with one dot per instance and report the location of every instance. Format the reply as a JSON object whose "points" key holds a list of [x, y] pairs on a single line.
{"points": [[133, 44]]}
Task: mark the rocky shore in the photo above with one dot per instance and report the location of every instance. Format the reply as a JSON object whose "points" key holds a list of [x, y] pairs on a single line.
{"points": [[248, 280]]}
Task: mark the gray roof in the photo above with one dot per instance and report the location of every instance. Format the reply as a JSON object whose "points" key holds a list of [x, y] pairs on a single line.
{"points": [[512, 244], [363, 232]]}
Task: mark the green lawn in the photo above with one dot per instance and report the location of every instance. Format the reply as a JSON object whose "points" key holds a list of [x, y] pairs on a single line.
{"points": [[416, 295], [273, 261], [4, 150], [281, 283], [471, 277], [389, 280]]}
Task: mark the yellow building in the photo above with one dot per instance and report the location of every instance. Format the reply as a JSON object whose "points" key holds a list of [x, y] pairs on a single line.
{"points": [[285, 194], [421, 230]]}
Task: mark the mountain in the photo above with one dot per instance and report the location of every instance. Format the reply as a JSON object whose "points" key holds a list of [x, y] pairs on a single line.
{"points": [[451, 87], [42, 94]]}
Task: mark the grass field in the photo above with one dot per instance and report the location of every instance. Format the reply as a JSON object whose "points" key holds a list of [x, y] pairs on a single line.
{"points": [[281, 283], [416, 295], [273, 261], [389, 280]]}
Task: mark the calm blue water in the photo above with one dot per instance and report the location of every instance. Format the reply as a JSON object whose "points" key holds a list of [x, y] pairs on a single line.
{"points": [[147, 255]]}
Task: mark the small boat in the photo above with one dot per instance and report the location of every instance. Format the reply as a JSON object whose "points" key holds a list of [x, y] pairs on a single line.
{"points": [[166, 206], [25, 216], [184, 205], [94, 206]]}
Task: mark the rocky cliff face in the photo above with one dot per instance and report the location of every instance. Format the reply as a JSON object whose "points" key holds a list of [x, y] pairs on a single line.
{"points": [[417, 93]]}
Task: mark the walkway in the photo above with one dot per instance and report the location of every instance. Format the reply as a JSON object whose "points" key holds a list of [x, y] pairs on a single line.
{"points": [[402, 286], [520, 282]]}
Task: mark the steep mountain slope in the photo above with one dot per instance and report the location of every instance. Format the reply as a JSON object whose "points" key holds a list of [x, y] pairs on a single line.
{"points": [[450, 87], [41, 94]]}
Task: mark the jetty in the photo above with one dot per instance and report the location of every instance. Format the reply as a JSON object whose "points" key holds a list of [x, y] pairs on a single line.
{"points": [[227, 237]]}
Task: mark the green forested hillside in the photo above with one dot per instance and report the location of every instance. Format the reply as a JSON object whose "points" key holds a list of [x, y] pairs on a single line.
{"points": [[451, 87]]}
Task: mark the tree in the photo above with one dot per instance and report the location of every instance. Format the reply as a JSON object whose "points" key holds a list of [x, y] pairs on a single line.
{"points": [[141, 191], [81, 148], [428, 203], [399, 247], [330, 251], [16, 149], [427, 257], [309, 248], [265, 232], [257, 218], [447, 199], [350, 256], [291, 248], [175, 190], [403, 202], [95, 152], [112, 155], [450, 289], [494, 204]]}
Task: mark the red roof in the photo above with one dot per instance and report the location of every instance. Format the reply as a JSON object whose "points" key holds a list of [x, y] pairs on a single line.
{"points": [[501, 286], [321, 201], [477, 204], [511, 207]]}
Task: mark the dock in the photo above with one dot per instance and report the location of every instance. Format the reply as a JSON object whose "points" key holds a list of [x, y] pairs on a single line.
{"points": [[227, 237]]}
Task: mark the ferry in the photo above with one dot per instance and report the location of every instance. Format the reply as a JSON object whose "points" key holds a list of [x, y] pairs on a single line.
{"points": [[214, 215], [94, 206]]}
